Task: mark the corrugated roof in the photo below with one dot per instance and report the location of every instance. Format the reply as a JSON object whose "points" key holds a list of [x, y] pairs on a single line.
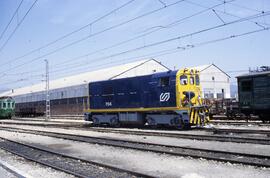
{"points": [[85, 78]]}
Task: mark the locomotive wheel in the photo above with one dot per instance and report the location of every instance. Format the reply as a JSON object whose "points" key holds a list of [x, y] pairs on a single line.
{"points": [[95, 122], [263, 117], [180, 124], [115, 122]]}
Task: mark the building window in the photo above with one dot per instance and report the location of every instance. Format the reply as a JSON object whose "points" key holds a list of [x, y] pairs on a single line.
{"points": [[213, 78], [209, 95]]}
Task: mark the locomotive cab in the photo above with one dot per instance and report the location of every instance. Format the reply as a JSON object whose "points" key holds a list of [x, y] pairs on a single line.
{"points": [[189, 96]]}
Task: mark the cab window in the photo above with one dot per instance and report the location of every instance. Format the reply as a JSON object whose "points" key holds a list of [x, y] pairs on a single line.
{"points": [[191, 80], [183, 80], [197, 80]]}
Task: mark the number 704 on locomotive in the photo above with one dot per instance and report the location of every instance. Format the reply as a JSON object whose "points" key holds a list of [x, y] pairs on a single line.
{"points": [[170, 98]]}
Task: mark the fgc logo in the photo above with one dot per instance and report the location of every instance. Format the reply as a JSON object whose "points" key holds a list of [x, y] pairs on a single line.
{"points": [[164, 97]]}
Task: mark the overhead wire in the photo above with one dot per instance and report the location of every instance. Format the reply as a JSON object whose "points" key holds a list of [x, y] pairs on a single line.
{"points": [[232, 36], [229, 14], [145, 34], [191, 46], [97, 33], [14, 14], [175, 38], [174, 23], [71, 33], [17, 26], [179, 37], [186, 47], [241, 6]]}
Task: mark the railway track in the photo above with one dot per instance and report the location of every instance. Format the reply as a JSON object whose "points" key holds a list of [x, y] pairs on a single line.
{"points": [[239, 131], [12, 171], [223, 156], [238, 123], [222, 138], [72, 165]]}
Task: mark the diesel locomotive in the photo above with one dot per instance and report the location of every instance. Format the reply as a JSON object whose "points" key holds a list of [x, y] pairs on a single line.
{"points": [[170, 98]]}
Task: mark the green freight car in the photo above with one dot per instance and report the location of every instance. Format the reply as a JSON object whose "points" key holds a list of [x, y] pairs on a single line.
{"points": [[254, 94], [7, 107]]}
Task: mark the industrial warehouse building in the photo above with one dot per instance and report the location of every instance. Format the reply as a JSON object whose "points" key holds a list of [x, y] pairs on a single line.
{"points": [[69, 95], [214, 81]]}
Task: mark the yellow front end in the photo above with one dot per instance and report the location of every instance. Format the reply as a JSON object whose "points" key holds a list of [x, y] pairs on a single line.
{"points": [[188, 93]]}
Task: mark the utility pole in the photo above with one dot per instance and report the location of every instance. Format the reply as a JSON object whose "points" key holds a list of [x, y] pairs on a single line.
{"points": [[48, 108]]}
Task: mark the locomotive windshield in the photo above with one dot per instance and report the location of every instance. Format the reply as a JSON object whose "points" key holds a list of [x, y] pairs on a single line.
{"points": [[183, 80], [191, 80], [197, 80]]}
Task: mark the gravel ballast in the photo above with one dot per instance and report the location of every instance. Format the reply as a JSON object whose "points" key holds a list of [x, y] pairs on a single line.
{"points": [[158, 165], [224, 146], [30, 169]]}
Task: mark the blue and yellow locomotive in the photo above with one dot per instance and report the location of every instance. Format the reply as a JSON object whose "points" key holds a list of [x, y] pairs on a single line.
{"points": [[168, 98]]}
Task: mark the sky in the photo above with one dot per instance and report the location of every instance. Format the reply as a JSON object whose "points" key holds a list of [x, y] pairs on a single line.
{"points": [[76, 36]]}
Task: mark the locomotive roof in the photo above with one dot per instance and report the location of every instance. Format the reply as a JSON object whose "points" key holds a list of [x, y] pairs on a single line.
{"points": [[253, 74], [138, 68]]}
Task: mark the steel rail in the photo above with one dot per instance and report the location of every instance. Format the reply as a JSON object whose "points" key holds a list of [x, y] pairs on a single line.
{"points": [[239, 131], [12, 171], [227, 122], [62, 155], [209, 154], [220, 138]]}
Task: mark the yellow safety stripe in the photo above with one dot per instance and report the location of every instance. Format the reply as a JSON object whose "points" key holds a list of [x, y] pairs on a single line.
{"points": [[191, 116], [199, 118], [195, 116]]}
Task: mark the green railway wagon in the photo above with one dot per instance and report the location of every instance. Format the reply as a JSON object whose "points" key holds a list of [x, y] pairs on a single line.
{"points": [[7, 107], [254, 94]]}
